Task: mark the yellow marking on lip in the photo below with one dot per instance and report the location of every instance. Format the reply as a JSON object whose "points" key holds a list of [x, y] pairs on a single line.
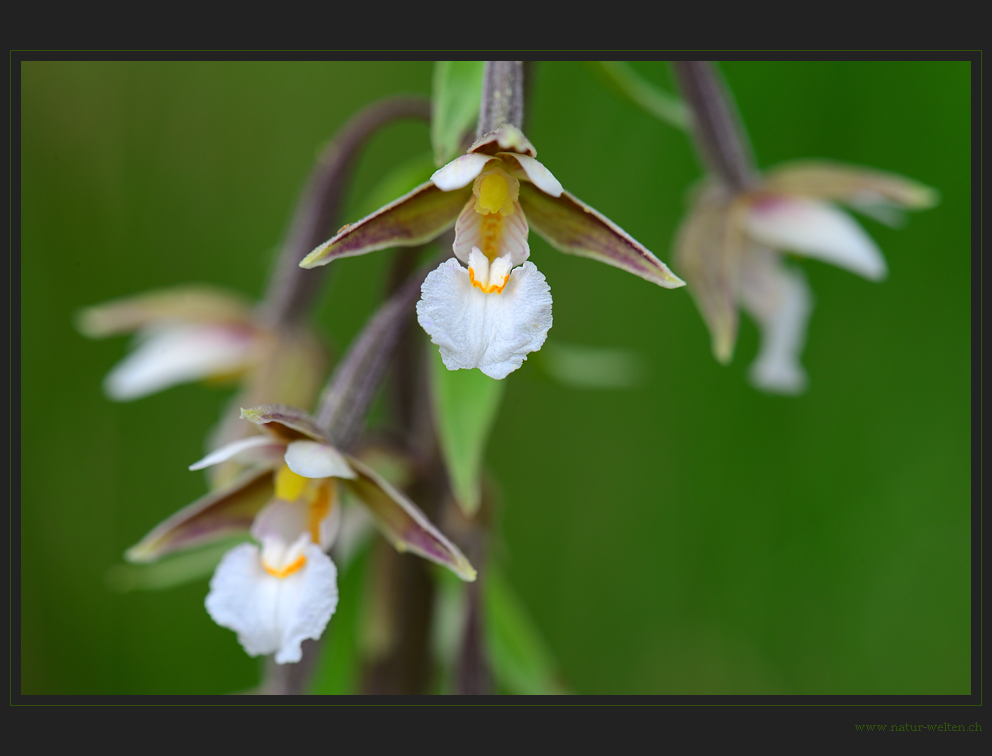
{"points": [[492, 288], [287, 570], [493, 191], [289, 485], [319, 509], [492, 232]]}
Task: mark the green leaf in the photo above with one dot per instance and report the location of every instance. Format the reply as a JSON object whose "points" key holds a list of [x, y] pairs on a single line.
{"points": [[521, 661], [583, 366], [172, 571], [339, 667], [645, 95], [455, 100], [465, 404]]}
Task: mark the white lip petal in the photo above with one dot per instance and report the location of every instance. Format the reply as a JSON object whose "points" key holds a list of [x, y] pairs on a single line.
{"points": [[492, 332], [779, 299], [272, 614], [177, 355], [280, 524], [460, 172], [540, 176], [817, 230], [312, 459], [513, 239], [248, 449]]}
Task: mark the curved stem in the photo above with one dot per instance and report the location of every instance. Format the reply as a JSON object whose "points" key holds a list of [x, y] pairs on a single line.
{"points": [[292, 289]]}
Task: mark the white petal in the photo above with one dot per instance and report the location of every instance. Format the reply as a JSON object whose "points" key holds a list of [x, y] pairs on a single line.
{"points": [[540, 176], [312, 459], [271, 614], [285, 527], [779, 299], [818, 230], [249, 449], [279, 526], [493, 332], [512, 238], [459, 172], [177, 355]]}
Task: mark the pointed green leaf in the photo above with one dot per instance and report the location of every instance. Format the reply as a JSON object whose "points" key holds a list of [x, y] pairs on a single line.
{"points": [[415, 218], [645, 95], [340, 665], [172, 571], [522, 663], [583, 366], [570, 225], [456, 95], [402, 523], [222, 513], [465, 404]]}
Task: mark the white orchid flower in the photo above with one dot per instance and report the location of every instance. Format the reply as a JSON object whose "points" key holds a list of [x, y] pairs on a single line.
{"points": [[283, 589], [730, 249], [490, 307]]}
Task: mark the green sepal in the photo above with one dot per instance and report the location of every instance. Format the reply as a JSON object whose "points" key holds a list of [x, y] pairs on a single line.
{"points": [[417, 217], [226, 511], [465, 404], [570, 225], [285, 423], [402, 522], [456, 96]]}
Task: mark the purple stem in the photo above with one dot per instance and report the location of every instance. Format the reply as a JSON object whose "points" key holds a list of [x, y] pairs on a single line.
{"points": [[292, 289], [716, 125], [502, 95]]}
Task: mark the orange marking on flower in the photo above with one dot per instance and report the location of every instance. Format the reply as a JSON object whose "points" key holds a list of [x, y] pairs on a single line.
{"points": [[492, 230], [346, 225], [288, 569], [319, 509], [491, 288]]}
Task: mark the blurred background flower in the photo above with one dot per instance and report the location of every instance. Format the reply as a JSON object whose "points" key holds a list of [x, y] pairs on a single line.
{"points": [[687, 534]]}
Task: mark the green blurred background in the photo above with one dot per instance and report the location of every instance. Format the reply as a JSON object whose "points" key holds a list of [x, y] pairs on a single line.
{"points": [[690, 535]]}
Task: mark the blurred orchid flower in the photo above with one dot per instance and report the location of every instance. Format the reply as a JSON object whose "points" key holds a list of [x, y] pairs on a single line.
{"points": [[278, 593], [197, 332], [497, 310], [184, 334], [730, 245]]}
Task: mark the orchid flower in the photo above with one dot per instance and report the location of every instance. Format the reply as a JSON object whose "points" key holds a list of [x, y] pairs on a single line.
{"points": [[494, 311], [283, 590], [184, 334], [730, 250]]}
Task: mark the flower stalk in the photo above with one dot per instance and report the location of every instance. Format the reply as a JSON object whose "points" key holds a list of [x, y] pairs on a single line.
{"points": [[351, 389], [716, 125], [502, 96]]}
